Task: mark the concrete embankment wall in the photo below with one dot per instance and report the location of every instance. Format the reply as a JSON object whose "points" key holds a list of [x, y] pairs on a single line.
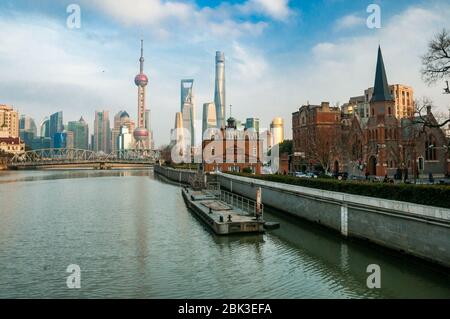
{"points": [[422, 231], [175, 175]]}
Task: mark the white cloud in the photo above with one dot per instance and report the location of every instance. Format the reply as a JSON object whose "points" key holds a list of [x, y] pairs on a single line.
{"points": [[148, 12], [249, 64], [159, 12], [350, 21], [45, 67], [276, 9], [346, 66]]}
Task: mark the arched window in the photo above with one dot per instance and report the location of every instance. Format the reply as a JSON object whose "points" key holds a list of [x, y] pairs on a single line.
{"points": [[430, 148], [389, 110], [373, 112]]}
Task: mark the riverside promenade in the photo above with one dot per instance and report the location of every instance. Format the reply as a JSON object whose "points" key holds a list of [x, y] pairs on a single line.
{"points": [[418, 230]]}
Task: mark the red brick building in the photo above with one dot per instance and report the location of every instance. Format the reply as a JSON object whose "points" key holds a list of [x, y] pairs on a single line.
{"points": [[316, 130], [382, 144], [231, 150]]}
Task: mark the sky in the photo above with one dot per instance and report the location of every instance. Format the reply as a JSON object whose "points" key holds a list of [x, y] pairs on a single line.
{"points": [[280, 54]]}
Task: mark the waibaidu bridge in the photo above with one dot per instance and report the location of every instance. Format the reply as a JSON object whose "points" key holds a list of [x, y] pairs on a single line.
{"points": [[62, 158]]}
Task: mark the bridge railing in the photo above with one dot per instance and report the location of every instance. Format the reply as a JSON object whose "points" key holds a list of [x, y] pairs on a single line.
{"points": [[60, 156]]}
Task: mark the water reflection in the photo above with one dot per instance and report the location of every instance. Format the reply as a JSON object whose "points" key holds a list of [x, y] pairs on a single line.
{"points": [[133, 237], [31, 176]]}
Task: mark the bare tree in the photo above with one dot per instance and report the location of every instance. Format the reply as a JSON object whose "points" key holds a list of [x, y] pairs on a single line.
{"points": [[436, 62], [323, 144], [423, 115]]}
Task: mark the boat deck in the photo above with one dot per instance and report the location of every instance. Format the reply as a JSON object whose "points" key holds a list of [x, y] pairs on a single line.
{"points": [[221, 217]]}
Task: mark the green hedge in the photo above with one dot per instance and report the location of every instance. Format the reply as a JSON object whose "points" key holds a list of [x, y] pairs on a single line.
{"points": [[433, 195]]}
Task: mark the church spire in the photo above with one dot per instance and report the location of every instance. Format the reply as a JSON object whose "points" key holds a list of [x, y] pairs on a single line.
{"points": [[381, 91]]}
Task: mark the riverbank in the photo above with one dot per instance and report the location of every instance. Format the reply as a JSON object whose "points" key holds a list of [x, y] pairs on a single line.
{"points": [[418, 230], [133, 237]]}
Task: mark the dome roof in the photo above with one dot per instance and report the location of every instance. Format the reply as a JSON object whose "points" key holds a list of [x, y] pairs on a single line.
{"points": [[124, 114], [141, 80]]}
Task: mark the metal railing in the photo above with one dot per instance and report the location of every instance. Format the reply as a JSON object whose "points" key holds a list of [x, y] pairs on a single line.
{"points": [[247, 206]]}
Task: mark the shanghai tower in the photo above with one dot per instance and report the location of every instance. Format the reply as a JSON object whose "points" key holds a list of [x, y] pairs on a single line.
{"points": [[219, 93]]}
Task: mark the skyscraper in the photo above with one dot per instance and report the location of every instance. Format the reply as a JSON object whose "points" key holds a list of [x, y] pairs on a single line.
{"points": [[252, 123], [277, 130], [27, 129], [56, 123], [188, 108], [102, 133], [178, 129], [45, 128], [125, 140], [141, 134], [121, 119], [209, 117], [27, 124], [219, 92], [148, 126], [80, 132]]}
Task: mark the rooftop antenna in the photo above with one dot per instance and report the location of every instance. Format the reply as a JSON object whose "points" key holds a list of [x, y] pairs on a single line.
{"points": [[231, 106]]}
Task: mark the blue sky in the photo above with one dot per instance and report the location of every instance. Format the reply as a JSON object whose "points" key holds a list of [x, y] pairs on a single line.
{"points": [[280, 54]]}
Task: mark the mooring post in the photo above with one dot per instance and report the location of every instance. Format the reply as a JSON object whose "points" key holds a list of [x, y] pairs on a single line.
{"points": [[258, 202]]}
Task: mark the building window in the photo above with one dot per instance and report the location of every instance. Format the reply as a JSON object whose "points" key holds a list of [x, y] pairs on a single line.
{"points": [[389, 110], [430, 149]]}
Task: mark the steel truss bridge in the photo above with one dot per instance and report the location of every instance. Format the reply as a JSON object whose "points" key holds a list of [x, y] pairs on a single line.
{"points": [[77, 158]]}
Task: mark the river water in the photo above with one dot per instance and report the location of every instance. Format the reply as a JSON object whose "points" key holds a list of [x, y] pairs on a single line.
{"points": [[133, 237]]}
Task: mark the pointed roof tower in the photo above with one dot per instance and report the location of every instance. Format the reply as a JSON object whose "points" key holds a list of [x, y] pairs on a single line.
{"points": [[381, 90]]}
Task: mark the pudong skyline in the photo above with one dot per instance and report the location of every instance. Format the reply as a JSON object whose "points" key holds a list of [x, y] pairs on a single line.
{"points": [[260, 77]]}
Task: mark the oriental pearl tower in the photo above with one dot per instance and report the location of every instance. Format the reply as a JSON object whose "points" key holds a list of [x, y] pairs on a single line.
{"points": [[141, 134]]}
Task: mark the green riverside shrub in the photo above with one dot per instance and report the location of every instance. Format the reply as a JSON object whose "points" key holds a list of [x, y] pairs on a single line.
{"points": [[433, 195]]}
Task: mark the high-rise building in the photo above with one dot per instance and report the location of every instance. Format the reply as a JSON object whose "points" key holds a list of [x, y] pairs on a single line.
{"points": [[56, 124], [125, 140], [141, 134], [9, 122], [219, 92], [121, 119], [148, 126], [209, 117], [41, 143], [45, 128], [403, 99], [188, 108], [252, 123], [10, 141], [70, 139], [178, 129], [102, 132], [27, 129], [277, 130], [80, 130], [186, 91], [27, 123], [60, 140]]}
